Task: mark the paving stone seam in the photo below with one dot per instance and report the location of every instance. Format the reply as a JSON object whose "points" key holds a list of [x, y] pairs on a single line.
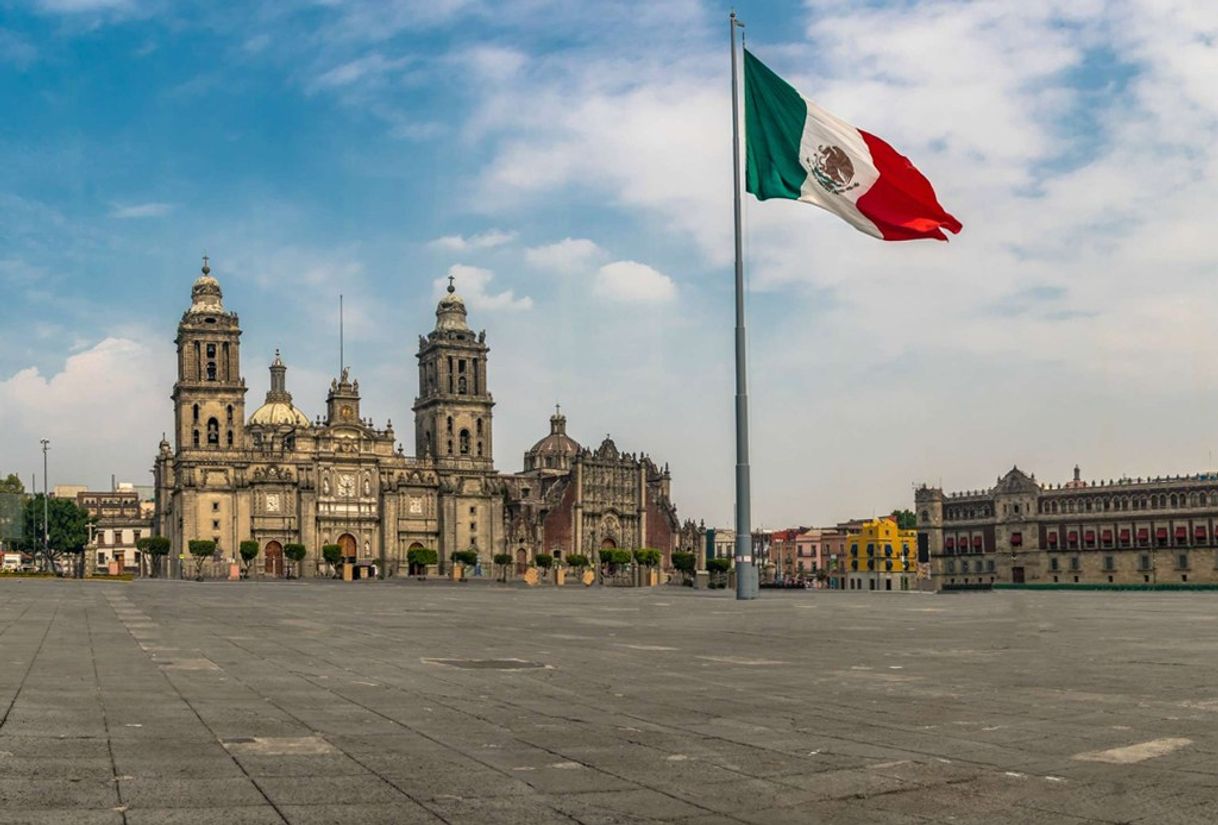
{"points": [[493, 724], [182, 698], [29, 667]]}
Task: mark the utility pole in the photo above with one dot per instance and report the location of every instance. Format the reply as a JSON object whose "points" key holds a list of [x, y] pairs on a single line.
{"points": [[46, 535]]}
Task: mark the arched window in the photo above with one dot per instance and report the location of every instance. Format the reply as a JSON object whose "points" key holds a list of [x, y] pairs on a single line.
{"points": [[195, 412], [289, 442], [450, 424], [464, 442], [230, 438], [211, 370], [478, 427], [450, 446], [213, 432], [229, 412], [479, 449], [462, 389], [211, 350], [195, 438]]}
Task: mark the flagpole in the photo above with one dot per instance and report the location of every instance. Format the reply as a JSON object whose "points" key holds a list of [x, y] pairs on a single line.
{"points": [[746, 572]]}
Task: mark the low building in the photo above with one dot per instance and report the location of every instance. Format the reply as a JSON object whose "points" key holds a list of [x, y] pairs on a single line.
{"points": [[121, 520], [820, 554], [882, 556], [1125, 531]]}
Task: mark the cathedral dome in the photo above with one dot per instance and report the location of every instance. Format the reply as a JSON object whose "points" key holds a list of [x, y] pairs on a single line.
{"points": [[205, 295], [556, 450], [277, 413], [278, 409]]}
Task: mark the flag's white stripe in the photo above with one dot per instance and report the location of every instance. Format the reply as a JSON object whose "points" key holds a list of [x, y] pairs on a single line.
{"points": [[823, 129]]}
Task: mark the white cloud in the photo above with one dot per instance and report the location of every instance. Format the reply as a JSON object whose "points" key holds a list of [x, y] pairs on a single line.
{"points": [[471, 283], [489, 239], [84, 6], [365, 69], [103, 412], [16, 50], [633, 282], [565, 256], [141, 210]]}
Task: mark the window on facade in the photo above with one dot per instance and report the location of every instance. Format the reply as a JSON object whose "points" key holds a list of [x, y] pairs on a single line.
{"points": [[1183, 560], [854, 564], [1074, 564], [215, 524], [1109, 563], [194, 440], [479, 449], [211, 350], [1145, 561], [461, 386], [230, 438], [478, 427], [450, 446], [229, 413], [870, 549], [195, 413], [464, 439], [450, 425], [211, 370], [990, 564], [951, 565], [213, 432], [854, 549]]}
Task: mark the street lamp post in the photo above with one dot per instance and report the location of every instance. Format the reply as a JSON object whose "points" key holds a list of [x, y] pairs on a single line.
{"points": [[46, 536]]}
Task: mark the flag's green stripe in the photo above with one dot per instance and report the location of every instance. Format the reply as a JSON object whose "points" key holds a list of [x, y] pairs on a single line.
{"points": [[774, 115]]}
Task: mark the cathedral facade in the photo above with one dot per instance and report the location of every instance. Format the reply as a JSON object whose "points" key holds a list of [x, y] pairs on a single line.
{"points": [[277, 478]]}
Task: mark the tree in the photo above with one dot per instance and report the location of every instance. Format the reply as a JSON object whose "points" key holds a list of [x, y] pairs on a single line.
{"points": [[11, 484], [67, 527], [249, 552], [202, 550], [905, 519], [418, 559], [466, 557], [544, 560], [719, 565], [647, 557], [295, 553], [685, 564], [503, 561], [577, 561], [333, 554], [154, 548]]}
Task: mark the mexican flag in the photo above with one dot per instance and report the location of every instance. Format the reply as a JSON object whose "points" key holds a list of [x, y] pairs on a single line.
{"points": [[796, 150]]}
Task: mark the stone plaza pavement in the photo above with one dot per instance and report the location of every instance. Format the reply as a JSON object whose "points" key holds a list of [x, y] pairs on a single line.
{"points": [[402, 702]]}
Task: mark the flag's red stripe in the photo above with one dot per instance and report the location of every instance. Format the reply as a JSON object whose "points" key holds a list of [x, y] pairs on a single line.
{"points": [[902, 203]]}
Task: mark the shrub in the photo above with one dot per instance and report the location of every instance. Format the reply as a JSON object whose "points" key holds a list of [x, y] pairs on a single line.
{"points": [[647, 557], [295, 553], [248, 551], [719, 565], [418, 558], [155, 546], [466, 557], [544, 560], [202, 550], [577, 561], [502, 559], [333, 554], [684, 562]]}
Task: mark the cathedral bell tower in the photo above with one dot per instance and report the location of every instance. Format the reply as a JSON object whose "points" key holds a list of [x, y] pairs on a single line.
{"points": [[209, 395], [453, 409]]}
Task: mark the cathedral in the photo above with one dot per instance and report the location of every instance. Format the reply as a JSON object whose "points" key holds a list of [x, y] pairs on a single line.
{"points": [[277, 478]]}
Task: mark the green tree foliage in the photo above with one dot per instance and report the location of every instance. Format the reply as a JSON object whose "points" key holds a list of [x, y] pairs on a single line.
{"points": [[577, 561], [614, 558], [67, 526], [719, 565], [503, 561], [248, 551], [155, 548], [466, 557], [333, 554], [648, 557], [202, 550], [11, 484], [544, 560], [906, 519], [684, 562], [419, 558], [296, 553]]}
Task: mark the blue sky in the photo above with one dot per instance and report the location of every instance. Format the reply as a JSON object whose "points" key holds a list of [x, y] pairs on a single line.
{"points": [[569, 164]]}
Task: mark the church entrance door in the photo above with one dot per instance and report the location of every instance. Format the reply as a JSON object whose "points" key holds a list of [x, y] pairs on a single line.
{"points": [[272, 561], [348, 545]]}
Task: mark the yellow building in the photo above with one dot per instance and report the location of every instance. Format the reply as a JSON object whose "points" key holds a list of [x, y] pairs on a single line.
{"points": [[881, 556]]}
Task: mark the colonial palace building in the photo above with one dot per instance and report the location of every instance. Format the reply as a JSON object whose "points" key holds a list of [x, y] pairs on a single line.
{"points": [[276, 477], [1128, 531]]}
